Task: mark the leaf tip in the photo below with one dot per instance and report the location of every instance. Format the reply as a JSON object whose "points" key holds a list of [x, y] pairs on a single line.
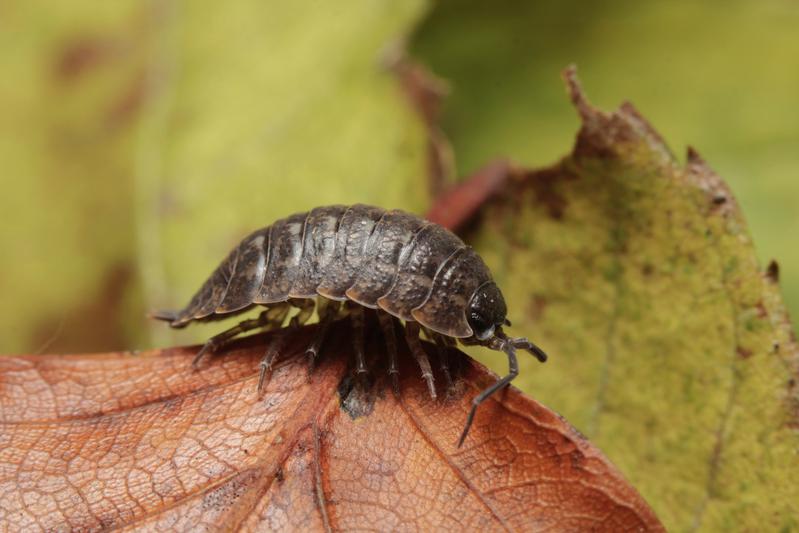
{"points": [[576, 92]]}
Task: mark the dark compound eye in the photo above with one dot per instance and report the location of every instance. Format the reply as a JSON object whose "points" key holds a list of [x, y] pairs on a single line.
{"points": [[482, 326], [487, 310]]}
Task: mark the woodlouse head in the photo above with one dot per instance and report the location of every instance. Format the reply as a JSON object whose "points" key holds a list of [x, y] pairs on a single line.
{"points": [[486, 310]]}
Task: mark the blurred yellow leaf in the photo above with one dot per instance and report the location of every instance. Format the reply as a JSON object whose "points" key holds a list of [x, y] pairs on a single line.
{"points": [[150, 137]]}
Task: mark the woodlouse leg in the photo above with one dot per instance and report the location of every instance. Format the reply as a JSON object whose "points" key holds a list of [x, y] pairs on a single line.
{"points": [[272, 353], [390, 334], [220, 339], [277, 315], [443, 344], [328, 310], [306, 307], [506, 346], [412, 330], [358, 333]]}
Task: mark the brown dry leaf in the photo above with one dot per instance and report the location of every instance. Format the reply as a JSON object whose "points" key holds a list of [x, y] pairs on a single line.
{"points": [[139, 441]]}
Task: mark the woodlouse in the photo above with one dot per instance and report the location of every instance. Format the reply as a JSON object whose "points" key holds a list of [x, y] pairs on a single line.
{"points": [[391, 261]]}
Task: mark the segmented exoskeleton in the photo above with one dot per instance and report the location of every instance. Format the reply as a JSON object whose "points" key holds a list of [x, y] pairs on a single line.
{"points": [[391, 261]]}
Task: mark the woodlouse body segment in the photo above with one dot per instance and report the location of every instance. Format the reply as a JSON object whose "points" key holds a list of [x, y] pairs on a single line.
{"points": [[418, 265], [249, 273], [285, 252], [391, 234], [453, 288], [354, 229], [319, 245], [390, 261]]}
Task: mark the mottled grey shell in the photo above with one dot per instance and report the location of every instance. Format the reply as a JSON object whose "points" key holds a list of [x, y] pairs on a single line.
{"points": [[413, 269]]}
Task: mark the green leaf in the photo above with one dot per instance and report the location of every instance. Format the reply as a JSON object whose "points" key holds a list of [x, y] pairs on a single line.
{"points": [[264, 110], [143, 140], [669, 346], [724, 80]]}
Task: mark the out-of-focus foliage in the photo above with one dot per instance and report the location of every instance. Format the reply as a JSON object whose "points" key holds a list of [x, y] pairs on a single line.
{"points": [[720, 76], [141, 141]]}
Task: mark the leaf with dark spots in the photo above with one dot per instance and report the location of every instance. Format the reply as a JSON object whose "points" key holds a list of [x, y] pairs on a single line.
{"points": [[544, 183], [81, 55], [671, 346], [142, 442], [129, 103], [355, 401], [773, 271]]}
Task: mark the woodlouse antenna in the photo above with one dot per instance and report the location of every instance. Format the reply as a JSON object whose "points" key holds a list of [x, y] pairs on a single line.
{"points": [[503, 343], [526, 345], [522, 343]]}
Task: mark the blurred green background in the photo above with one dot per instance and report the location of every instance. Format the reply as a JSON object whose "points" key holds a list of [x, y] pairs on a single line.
{"points": [[140, 140]]}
